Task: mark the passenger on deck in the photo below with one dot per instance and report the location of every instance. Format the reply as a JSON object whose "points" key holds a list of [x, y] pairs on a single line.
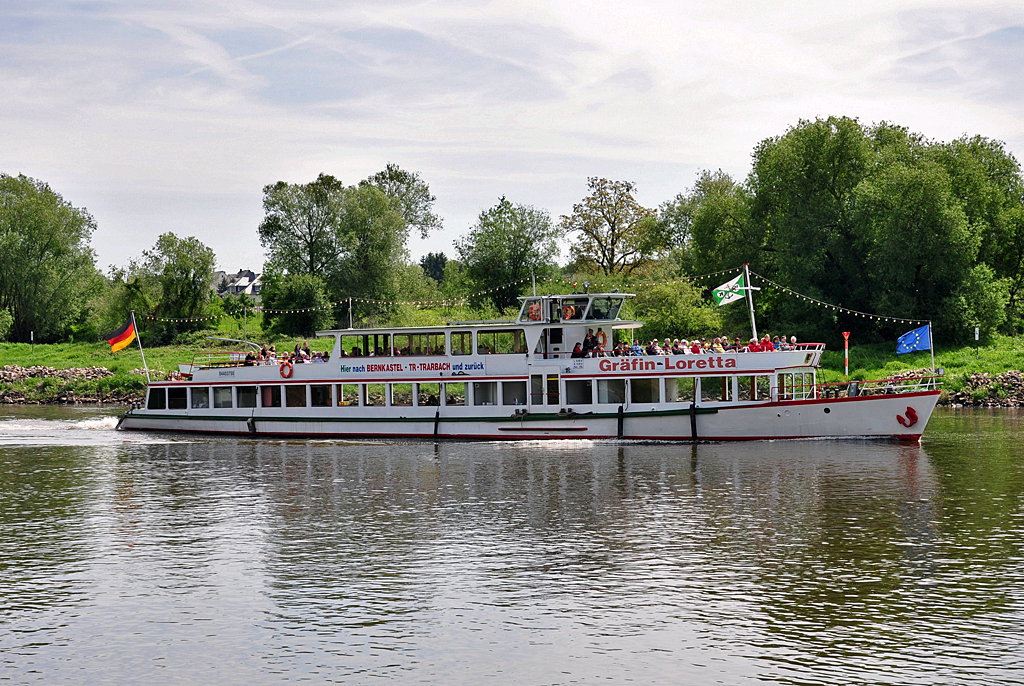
{"points": [[792, 343], [717, 346], [777, 343], [695, 347], [753, 346], [766, 345], [589, 341], [635, 350], [577, 351]]}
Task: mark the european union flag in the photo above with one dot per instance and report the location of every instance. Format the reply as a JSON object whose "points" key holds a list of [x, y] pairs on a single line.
{"points": [[918, 339]]}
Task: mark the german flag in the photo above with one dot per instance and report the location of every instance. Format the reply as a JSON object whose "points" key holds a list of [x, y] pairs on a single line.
{"points": [[122, 337]]}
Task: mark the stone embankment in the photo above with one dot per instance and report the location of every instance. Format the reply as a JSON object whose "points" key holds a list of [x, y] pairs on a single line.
{"points": [[15, 375], [986, 390]]}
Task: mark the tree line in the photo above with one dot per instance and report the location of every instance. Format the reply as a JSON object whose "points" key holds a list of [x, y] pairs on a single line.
{"points": [[872, 218]]}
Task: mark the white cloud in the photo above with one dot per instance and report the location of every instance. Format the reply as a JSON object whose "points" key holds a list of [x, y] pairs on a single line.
{"points": [[161, 116]]}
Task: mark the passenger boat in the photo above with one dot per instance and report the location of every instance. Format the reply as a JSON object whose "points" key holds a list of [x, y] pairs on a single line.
{"points": [[519, 379]]}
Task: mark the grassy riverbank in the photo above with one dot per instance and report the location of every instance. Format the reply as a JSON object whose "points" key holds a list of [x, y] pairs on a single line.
{"points": [[866, 362]]}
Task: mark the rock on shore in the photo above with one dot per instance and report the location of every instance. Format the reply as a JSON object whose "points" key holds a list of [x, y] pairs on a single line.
{"points": [[11, 374], [986, 390]]}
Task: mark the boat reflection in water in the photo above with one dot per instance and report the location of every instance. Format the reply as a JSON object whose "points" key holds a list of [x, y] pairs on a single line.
{"points": [[256, 561]]}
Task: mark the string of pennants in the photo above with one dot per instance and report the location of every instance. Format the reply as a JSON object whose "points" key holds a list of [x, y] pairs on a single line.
{"points": [[836, 308], [447, 302]]}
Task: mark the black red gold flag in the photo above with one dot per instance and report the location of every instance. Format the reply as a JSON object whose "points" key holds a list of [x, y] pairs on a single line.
{"points": [[122, 337]]}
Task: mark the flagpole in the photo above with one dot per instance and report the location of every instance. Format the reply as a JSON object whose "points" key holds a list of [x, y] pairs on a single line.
{"points": [[750, 298], [138, 339], [931, 348]]}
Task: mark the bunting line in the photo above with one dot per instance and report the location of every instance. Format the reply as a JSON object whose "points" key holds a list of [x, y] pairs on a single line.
{"points": [[837, 308]]}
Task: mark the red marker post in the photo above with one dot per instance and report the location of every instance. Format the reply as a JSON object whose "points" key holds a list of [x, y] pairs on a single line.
{"points": [[846, 336]]}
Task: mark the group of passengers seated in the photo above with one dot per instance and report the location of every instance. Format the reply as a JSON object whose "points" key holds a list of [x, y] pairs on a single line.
{"points": [[697, 346], [302, 354]]}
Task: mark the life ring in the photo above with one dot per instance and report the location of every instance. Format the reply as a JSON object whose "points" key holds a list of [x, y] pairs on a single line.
{"points": [[535, 312], [568, 311], [286, 370], [601, 339]]}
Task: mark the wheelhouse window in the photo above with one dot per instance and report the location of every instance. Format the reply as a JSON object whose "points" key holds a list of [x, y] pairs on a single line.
{"points": [[222, 397], [246, 396], [157, 399], [320, 395], [270, 396], [573, 309], [177, 398], [579, 392], [462, 343], [715, 389], [419, 343], [501, 342], [200, 398], [604, 308], [531, 311]]}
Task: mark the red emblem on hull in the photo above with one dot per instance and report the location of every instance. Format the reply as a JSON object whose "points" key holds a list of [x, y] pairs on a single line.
{"points": [[910, 420]]}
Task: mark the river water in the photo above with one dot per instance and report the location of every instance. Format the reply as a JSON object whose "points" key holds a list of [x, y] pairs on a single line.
{"points": [[158, 559]]}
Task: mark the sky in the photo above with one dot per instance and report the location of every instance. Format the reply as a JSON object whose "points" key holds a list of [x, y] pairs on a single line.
{"points": [[173, 116]]}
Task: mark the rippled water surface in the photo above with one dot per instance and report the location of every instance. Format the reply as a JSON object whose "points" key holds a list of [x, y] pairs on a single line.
{"points": [[141, 558]]}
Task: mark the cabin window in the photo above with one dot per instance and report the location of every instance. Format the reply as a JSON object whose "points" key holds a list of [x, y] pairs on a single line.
{"points": [[604, 308], [715, 389], [270, 396], [485, 393], [462, 343], [645, 390], [401, 394], [246, 396], [373, 394], [177, 398], [348, 394], [579, 392], [200, 398], [222, 397], [505, 342], [419, 343], [157, 399], [454, 394], [428, 394], [320, 396], [757, 387], [679, 389], [294, 395], [513, 392], [611, 391]]}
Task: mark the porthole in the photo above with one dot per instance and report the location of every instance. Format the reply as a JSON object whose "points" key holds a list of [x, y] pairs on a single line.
{"points": [[827, 410]]}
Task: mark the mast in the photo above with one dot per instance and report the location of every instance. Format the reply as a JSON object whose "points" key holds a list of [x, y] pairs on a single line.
{"points": [[750, 298], [138, 339]]}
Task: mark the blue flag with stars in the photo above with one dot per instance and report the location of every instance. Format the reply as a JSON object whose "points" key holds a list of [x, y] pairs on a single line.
{"points": [[918, 339]]}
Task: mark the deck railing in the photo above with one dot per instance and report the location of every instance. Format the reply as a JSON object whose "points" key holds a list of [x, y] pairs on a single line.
{"points": [[890, 386]]}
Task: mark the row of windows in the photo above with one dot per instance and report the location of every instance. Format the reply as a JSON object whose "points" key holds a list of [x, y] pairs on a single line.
{"points": [[496, 342], [543, 390]]}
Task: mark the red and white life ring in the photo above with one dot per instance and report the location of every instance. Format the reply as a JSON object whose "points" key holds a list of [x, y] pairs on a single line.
{"points": [[286, 369], [535, 312]]}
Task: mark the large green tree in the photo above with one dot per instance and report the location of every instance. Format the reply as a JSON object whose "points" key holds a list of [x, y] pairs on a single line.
{"points": [[47, 269], [414, 200], [509, 243], [610, 231]]}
